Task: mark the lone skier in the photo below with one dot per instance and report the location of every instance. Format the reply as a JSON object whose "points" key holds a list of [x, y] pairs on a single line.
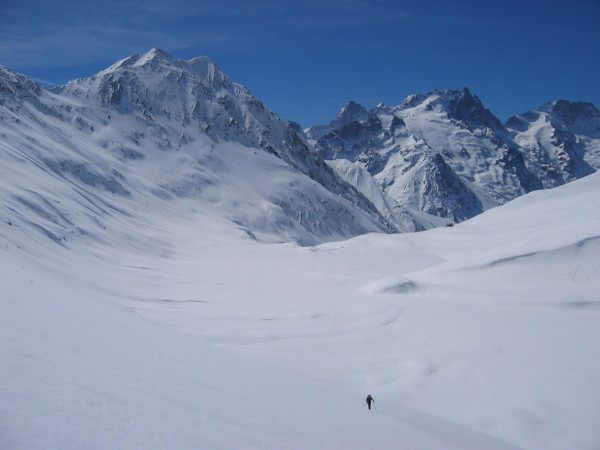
{"points": [[369, 400]]}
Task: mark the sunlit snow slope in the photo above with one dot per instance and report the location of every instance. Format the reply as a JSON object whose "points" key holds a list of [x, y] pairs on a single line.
{"points": [[151, 131], [161, 287], [181, 331]]}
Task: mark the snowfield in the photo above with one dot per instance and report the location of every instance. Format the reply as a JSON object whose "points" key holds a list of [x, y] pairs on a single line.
{"points": [[181, 270], [180, 331]]}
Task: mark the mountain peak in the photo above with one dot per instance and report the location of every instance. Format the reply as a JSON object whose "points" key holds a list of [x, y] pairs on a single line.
{"points": [[458, 104], [571, 111], [351, 113], [16, 86], [158, 59], [156, 51], [352, 108], [469, 108], [154, 56]]}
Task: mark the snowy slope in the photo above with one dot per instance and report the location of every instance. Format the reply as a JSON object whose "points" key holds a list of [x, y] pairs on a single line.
{"points": [[405, 219], [155, 295], [81, 372], [445, 154], [152, 130], [183, 332]]}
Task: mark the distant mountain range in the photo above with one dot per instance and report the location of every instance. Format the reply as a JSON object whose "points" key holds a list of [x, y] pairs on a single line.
{"points": [[444, 153], [155, 133]]}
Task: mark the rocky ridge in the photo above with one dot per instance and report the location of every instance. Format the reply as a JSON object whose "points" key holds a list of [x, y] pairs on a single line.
{"points": [[444, 153]]}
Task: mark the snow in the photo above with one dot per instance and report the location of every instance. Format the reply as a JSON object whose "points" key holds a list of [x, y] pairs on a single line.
{"points": [[73, 147], [398, 157], [561, 134], [483, 335], [154, 294], [484, 163]]}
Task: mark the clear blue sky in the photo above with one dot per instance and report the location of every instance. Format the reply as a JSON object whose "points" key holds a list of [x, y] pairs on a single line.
{"points": [[306, 58]]}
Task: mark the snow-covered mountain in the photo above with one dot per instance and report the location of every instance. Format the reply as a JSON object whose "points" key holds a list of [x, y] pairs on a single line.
{"points": [[140, 307], [153, 129], [560, 140], [444, 153], [480, 336]]}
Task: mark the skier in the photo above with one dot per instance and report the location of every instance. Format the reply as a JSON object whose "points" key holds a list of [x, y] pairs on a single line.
{"points": [[369, 400]]}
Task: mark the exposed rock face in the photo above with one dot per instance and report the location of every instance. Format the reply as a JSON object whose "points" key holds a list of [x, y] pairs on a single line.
{"points": [[448, 141], [155, 127], [152, 129], [560, 141]]}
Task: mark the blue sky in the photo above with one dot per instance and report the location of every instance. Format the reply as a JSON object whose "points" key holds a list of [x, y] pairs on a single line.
{"points": [[306, 58]]}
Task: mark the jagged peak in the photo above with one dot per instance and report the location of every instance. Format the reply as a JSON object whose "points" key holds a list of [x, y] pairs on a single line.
{"points": [[157, 51], [18, 81], [521, 122], [443, 97], [158, 59], [458, 104], [570, 111], [154, 55], [411, 101], [352, 112], [452, 96], [351, 109], [152, 67], [6, 71], [464, 106]]}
